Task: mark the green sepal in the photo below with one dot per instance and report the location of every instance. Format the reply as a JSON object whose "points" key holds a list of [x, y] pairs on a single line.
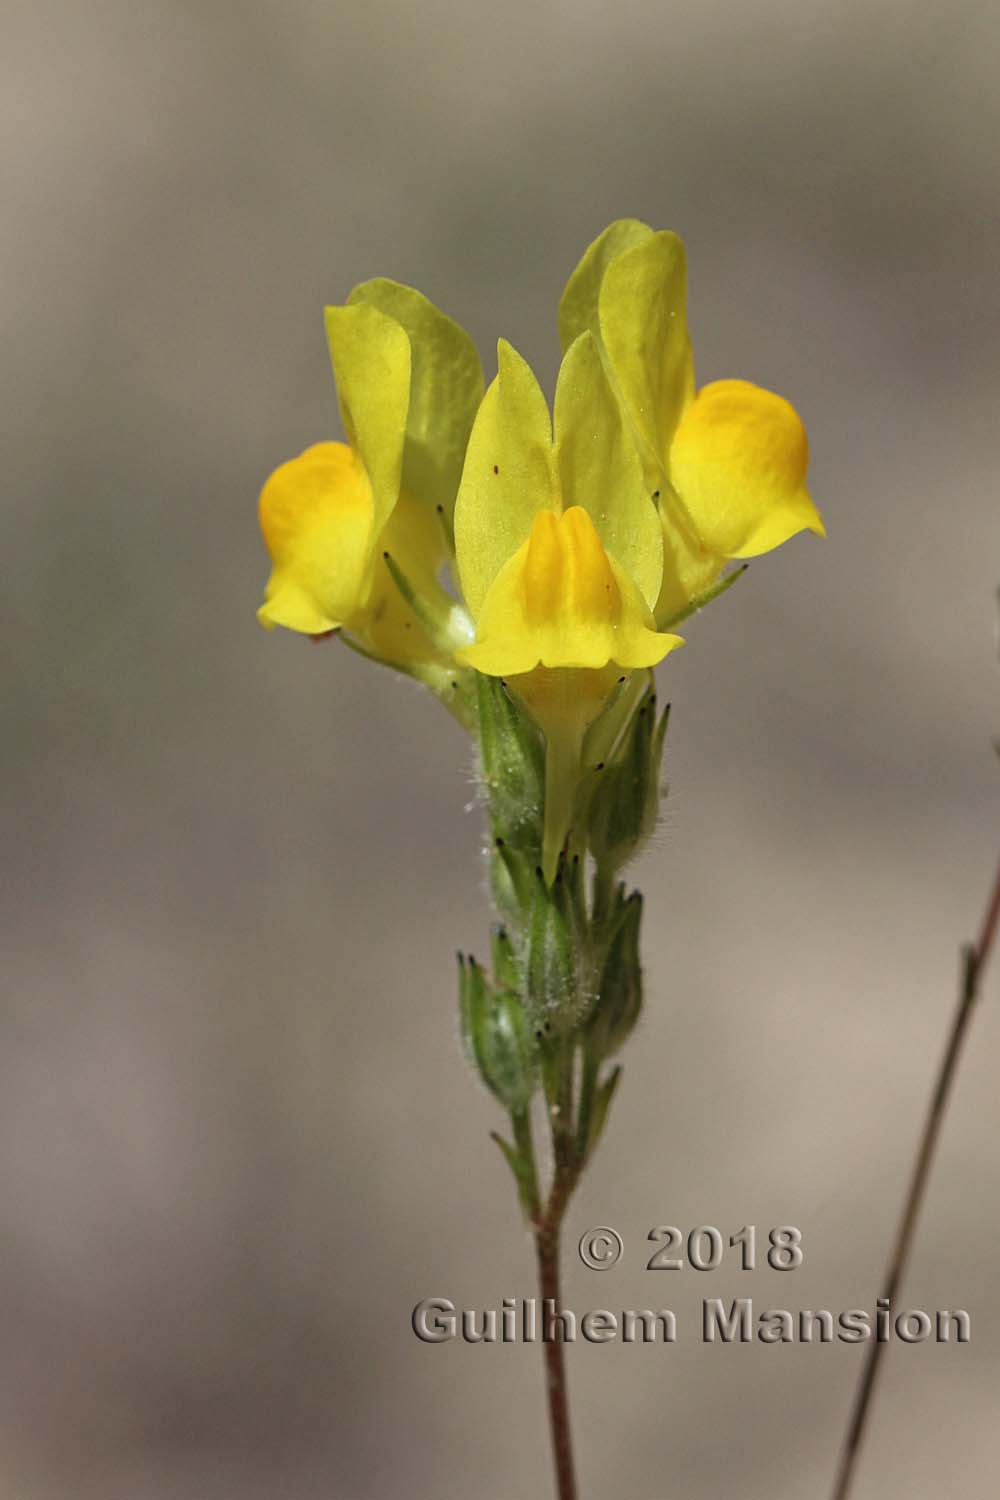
{"points": [[512, 758], [472, 1004], [512, 881], [446, 523], [602, 734], [551, 958], [505, 967], [624, 796], [513, 1056], [602, 1103], [619, 1000], [700, 600], [572, 872], [497, 1037], [524, 1176], [565, 885], [429, 613]]}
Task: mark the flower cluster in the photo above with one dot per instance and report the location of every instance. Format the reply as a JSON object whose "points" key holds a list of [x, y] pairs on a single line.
{"points": [[576, 541], [530, 568]]}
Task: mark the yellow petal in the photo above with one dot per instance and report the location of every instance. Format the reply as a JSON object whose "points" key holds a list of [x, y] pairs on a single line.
{"points": [[509, 474], [738, 462], [317, 517], [370, 353], [643, 321], [446, 387], [414, 537], [599, 468], [578, 304], [563, 602]]}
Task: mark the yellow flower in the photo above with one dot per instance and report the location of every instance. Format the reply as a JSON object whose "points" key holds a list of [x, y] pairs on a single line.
{"points": [[559, 549], [348, 525], [728, 465], [560, 558]]}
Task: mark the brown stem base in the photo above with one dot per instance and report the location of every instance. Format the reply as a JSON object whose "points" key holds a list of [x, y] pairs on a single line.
{"points": [[547, 1245]]}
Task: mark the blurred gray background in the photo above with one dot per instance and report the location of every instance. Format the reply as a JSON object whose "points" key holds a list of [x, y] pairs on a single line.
{"points": [[237, 1138]]}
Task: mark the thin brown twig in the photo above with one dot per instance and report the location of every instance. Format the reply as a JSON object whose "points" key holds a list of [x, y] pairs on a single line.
{"points": [[548, 1240], [974, 960]]}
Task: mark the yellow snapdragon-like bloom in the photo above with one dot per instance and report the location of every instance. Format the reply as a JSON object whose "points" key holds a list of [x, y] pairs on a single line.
{"points": [[321, 513], [560, 557], [577, 538], [727, 465], [559, 547], [335, 518]]}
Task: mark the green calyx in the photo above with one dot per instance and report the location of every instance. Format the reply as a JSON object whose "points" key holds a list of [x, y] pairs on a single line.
{"points": [[623, 797], [565, 990], [497, 1036]]}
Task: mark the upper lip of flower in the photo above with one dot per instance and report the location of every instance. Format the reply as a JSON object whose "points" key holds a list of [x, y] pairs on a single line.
{"points": [[728, 465]]}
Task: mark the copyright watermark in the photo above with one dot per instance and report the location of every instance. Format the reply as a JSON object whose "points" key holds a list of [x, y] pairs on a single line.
{"points": [[530, 1320], [601, 1248]]}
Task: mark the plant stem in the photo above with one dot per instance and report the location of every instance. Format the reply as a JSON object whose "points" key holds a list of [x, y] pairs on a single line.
{"points": [[547, 1242], [566, 1167], [555, 1366], [974, 958]]}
